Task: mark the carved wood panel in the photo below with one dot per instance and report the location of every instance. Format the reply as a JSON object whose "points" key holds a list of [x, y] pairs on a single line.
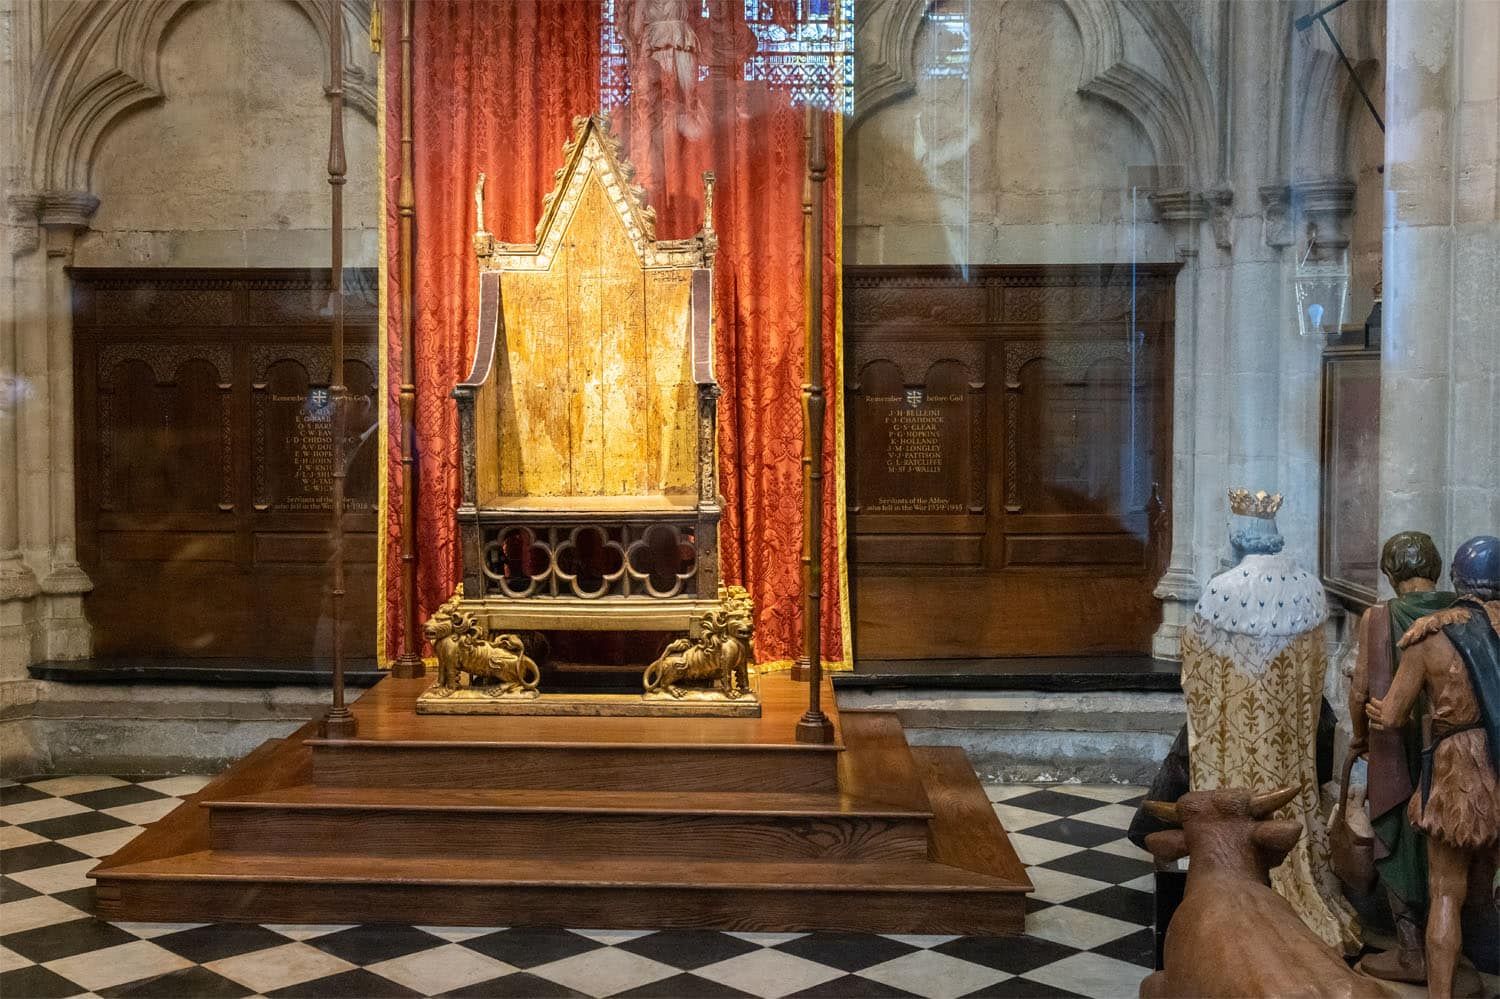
{"points": [[204, 450], [1007, 430]]}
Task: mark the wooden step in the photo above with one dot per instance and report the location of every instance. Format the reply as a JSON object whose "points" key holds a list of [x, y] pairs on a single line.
{"points": [[532, 824]]}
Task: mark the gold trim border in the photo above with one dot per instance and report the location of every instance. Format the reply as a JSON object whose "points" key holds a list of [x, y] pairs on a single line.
{"points": [[383, 414]]}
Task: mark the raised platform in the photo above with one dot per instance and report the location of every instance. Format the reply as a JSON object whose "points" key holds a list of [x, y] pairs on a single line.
{"points": [[608, 822]]}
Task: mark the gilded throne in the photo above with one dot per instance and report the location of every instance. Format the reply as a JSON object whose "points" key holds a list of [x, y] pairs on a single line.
{"points": [[587, 428]]}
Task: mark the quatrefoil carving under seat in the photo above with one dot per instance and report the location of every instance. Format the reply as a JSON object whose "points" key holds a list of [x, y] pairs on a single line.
{"points": [[588, 422]]}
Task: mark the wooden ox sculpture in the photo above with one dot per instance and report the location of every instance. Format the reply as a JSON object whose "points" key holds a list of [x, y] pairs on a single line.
{"points": [[1233, 935]]}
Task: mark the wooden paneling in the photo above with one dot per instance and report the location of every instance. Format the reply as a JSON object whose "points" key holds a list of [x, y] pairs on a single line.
{"points": [[204, 458], [1009, 449]]}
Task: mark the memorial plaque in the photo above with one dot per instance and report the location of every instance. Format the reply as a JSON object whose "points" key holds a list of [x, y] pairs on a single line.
{"points": [[913, 441]]}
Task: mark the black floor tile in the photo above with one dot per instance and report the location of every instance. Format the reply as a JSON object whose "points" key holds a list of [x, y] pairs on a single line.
{"points": [[852, 987], [26, 858], [1016, 955], [516, 986], [203, 944], [846, 951], [680, 987], [1054, 802], [1134, 948], [1021, 988], [14, 891], [36, 982], [79, 824], [81, 899], [357, 983], [113, 797], [372, 944], [15, 794], [1117, 902], [528, 948], [76, 936], [1100, 866], [1074, 832], [197, 983], [688, 949]]}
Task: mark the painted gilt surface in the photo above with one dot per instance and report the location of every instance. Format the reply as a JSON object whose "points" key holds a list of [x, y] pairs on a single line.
{"points": [[594, 394]]}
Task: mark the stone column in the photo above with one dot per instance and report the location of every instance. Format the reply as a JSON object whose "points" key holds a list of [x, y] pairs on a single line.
{"points": [[1440, 461], [1178, 588], [18, 583], [65, 631]]}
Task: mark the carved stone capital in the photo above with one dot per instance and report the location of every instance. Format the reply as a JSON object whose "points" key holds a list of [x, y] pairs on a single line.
{"points": [[23, 213], [1327, 203], [17, 581], [68, 209], [1276, 217], [67, 578], [1179, 205], [1221, 211]]}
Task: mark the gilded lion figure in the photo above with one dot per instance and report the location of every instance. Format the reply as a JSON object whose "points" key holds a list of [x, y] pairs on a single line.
{"points": [[462, 648], [717, 659]]}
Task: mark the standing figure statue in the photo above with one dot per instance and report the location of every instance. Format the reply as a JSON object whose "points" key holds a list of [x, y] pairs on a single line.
{"points": [[1453, 657], [1412, 565], [1253, 663]]}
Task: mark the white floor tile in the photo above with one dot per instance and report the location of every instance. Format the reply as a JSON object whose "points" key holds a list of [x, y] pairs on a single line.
{"points": [[611, 937], [1057, 886], [76, 785], [143, 812], [1035, 850], [921, 939], [1091, 975], [102, 844], [441, 969], [1104, 792], [1124, 848], [305, 931], [278, 967], [1076, 928], [102, 969], [10, 960], [178, 787], [34, 912], [937, 976], [455, 934], [150, 931], [769, 973], [12, 837], [1016, 819], [1114, 816], [604, 972], [767, 939], [42, 808], [57, 878]]}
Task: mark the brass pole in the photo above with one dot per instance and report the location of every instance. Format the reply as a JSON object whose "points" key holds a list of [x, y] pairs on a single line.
{"points": [[802, 667], [409, 662], [814, 725], [340, 722]]}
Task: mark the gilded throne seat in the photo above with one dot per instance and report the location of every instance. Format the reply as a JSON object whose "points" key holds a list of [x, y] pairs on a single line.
{"points": [[587, 428]]}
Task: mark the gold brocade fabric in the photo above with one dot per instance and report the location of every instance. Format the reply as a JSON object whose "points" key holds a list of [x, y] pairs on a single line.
{"points": [[1252, 723]]}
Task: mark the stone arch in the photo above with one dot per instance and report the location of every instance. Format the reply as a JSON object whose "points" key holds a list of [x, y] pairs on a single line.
{"points": [[101, 60], [1176, 113]]}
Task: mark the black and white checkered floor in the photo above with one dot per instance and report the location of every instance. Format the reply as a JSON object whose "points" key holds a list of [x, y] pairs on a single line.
{"points": [[1088, 929]]}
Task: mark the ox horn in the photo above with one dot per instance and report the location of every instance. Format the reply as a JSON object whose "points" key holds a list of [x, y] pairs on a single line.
{"points": [[1166, 811], [1262, 805]]}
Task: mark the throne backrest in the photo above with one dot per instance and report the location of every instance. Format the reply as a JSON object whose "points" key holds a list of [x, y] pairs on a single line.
{"points": [[600, 347]]}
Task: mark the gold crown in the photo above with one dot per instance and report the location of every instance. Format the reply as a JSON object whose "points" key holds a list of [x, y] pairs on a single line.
{"points": [[1257, 504]]}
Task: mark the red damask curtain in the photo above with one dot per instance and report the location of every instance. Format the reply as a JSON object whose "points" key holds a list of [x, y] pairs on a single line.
{"points": [[495, 88]]}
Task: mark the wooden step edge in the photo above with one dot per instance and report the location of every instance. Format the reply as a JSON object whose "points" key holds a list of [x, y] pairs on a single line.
{"points": [[275, 762], [302, 799], [965, 832], [612, 747], [636, 873], [878, 764]]}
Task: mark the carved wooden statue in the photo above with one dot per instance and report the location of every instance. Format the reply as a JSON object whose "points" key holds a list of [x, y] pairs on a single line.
{"points": [[1233, 935], [1453, 657], [587, 428]]}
